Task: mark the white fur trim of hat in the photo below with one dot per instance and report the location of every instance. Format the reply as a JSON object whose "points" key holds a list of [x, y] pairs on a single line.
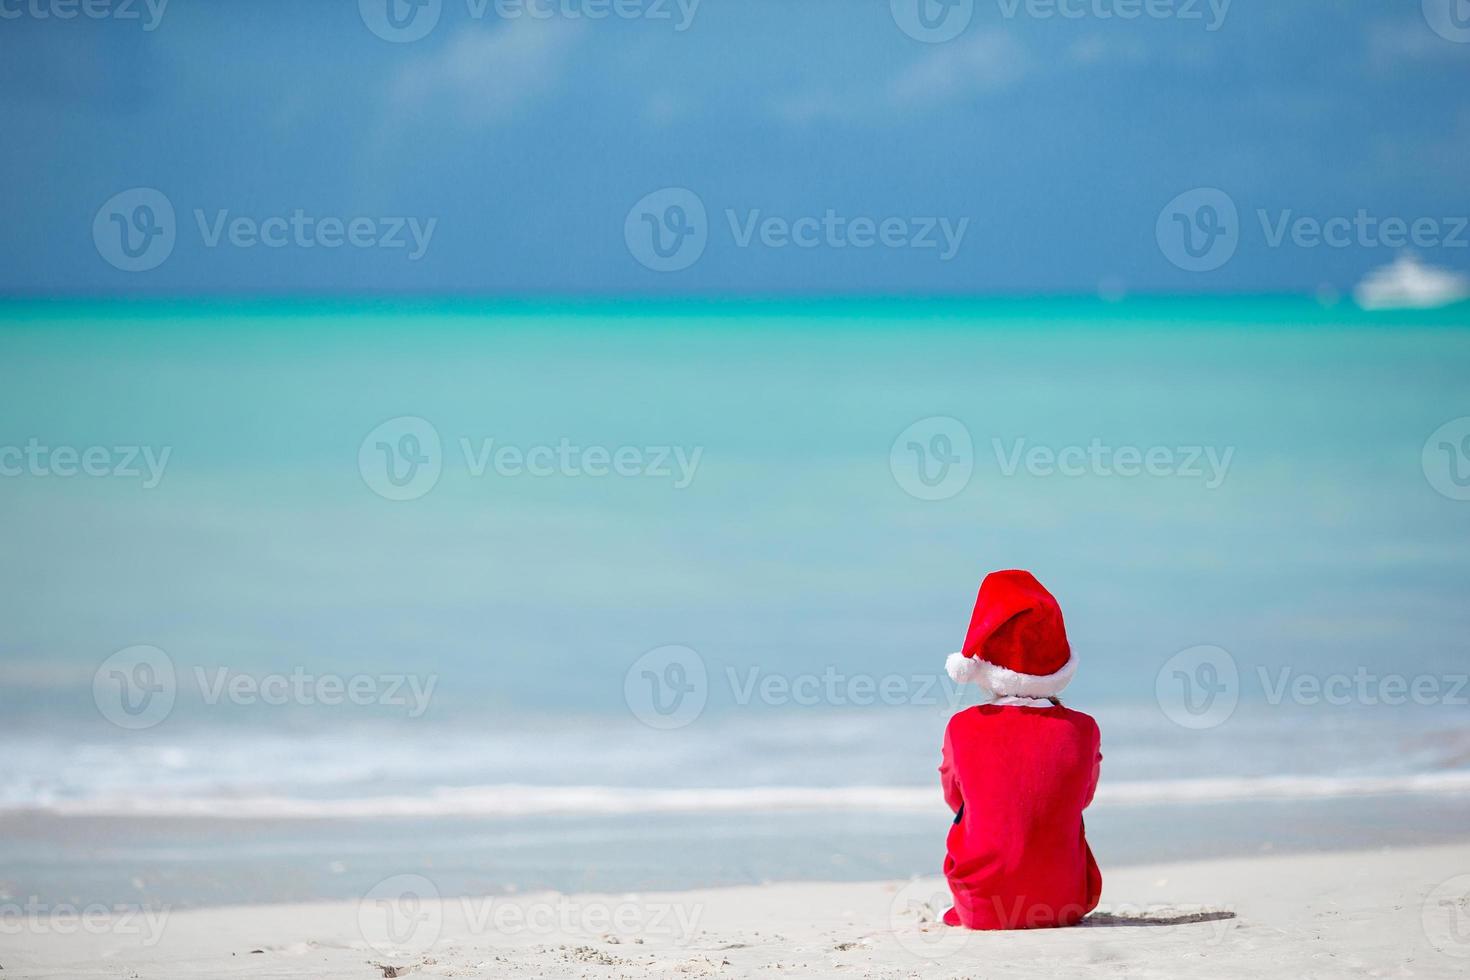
{"points": [[1004, 682]]}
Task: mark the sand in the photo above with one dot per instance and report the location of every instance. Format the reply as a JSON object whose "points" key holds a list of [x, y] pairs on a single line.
{"points": [[1402, 913]]}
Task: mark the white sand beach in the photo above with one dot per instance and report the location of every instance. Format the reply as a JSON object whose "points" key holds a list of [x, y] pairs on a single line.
{"points": [[1386, 913]]}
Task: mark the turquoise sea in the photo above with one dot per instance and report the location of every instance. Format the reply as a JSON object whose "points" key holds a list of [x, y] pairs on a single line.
{"points": [[300, 594]]}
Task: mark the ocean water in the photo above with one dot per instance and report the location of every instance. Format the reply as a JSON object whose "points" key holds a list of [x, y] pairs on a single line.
{"points": [[595, 595]]}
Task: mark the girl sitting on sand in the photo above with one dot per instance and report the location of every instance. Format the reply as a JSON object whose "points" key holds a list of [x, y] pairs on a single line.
{"points": [[1019, 770]]}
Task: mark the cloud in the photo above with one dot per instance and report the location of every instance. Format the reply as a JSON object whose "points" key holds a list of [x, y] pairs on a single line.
{"points": [[666, 108], [813, 106], [979, 63], [486, 76], [1100, 50]]}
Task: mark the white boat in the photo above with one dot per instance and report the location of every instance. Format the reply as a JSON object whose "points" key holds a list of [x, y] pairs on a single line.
{"points": [[1407, 283]]}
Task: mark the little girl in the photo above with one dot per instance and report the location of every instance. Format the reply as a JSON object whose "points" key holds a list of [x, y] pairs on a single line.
{"points": [[1018, 771]]}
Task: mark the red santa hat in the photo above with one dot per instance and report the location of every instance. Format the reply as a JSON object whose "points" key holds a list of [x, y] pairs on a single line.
{"points": [[1017, 645]]}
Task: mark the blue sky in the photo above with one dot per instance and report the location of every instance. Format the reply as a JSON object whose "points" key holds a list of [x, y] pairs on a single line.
{"points": [[1037, 150]]}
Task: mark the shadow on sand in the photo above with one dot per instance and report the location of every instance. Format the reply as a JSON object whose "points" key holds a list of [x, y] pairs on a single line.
{"points": [[1183, 918]]}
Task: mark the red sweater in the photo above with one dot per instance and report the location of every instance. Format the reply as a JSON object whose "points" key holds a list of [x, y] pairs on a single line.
{"points": [[1018, 779]]}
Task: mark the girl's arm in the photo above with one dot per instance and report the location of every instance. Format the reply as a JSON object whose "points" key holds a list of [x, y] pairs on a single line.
{"points": [[947, 778], [1092, 789]]}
